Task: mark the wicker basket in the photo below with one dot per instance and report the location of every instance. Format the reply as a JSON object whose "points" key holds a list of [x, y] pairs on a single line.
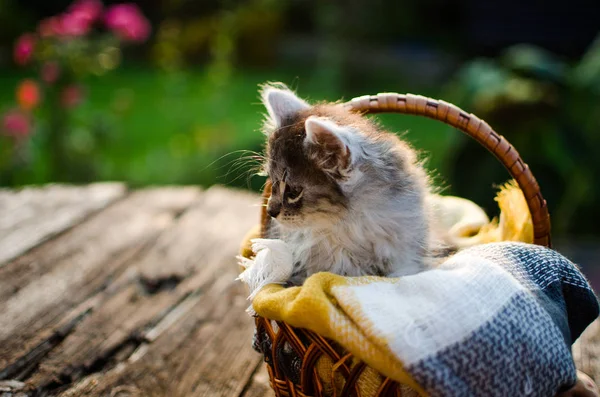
{"points": [[308, 347]]}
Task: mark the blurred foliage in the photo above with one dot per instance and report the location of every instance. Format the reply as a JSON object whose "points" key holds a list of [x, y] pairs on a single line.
{"points": [[42, 139], [247, 30], [184, 108], [169, 129], [549, 110]]}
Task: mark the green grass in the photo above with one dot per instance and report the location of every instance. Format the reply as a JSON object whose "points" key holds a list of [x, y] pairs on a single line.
{"points": [[184, 128]]}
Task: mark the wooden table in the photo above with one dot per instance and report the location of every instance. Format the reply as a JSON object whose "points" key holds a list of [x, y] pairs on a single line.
{"points": [[110, 292]]}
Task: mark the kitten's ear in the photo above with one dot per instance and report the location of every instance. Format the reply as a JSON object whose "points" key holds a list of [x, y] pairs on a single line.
{"points": [[281, 103], [327, 145]]}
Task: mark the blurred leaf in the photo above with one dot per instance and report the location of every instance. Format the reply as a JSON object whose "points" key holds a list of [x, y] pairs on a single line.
{"points": [[535, 62], [586, 74]]}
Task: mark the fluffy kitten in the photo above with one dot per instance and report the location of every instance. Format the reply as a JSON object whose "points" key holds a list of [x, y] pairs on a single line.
{"points": [[347, 197]]}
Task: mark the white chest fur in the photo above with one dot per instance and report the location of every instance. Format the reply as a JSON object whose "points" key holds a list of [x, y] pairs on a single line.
{"points": [[381, 240]]}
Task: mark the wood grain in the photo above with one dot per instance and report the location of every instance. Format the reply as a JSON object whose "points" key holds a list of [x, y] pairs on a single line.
{"points": [[33, 215], [179, 354], [40, 290], [134, 300], [259, 386]]}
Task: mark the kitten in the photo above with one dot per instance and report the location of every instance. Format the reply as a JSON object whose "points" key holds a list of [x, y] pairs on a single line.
{"points": [[347, 197]]}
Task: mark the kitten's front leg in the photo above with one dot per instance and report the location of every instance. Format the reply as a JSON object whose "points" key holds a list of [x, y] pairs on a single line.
{"points": [[272, 264]]}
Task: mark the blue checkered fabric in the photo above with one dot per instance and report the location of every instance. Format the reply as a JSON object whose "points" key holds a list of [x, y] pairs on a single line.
{"points": [[524, 348]]}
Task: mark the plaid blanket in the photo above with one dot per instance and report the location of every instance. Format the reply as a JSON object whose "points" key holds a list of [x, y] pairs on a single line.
{"points": [[493, 320]]}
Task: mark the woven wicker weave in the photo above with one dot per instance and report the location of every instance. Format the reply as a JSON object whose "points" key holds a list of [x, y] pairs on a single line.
{"points": [[308, 346]]}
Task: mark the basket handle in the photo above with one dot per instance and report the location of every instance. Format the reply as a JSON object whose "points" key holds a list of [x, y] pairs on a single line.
{"points": [[478, 130]]}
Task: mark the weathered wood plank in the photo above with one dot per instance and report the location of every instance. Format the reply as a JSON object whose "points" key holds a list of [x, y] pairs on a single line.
{"points": [[151, 370], [259, 384], [226, 361], [33, 215], [195, 258], [57, 282]]}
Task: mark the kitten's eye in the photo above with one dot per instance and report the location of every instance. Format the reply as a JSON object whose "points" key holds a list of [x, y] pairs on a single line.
{"points": [[294, 195]]}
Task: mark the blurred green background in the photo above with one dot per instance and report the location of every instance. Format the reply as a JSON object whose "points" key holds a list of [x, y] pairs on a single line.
{"points": [[166, 91]]}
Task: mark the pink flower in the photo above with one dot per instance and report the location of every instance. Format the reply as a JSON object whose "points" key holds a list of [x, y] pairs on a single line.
{"points": [[77, 21], [74, 24], [28, 94], [50, 72], [128, 22], [24, 48], [16, 124], [88, 10], [71, 96]]}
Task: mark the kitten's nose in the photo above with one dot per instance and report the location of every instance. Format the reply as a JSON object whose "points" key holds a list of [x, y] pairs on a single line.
{"points": [[273, 210]]}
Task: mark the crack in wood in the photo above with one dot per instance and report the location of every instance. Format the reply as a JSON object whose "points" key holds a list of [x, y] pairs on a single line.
{"points": [[155, 285], [23, 367], [101, 364], [111, 359], [124, 351]]}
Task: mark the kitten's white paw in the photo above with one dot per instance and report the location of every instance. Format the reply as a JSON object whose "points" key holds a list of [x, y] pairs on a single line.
{"points": [[273, 264]]}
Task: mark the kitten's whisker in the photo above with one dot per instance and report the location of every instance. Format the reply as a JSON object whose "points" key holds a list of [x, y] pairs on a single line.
{"points": [[229, 154], [238, 164], [236, 178], [262, 187], [235, 170]]}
